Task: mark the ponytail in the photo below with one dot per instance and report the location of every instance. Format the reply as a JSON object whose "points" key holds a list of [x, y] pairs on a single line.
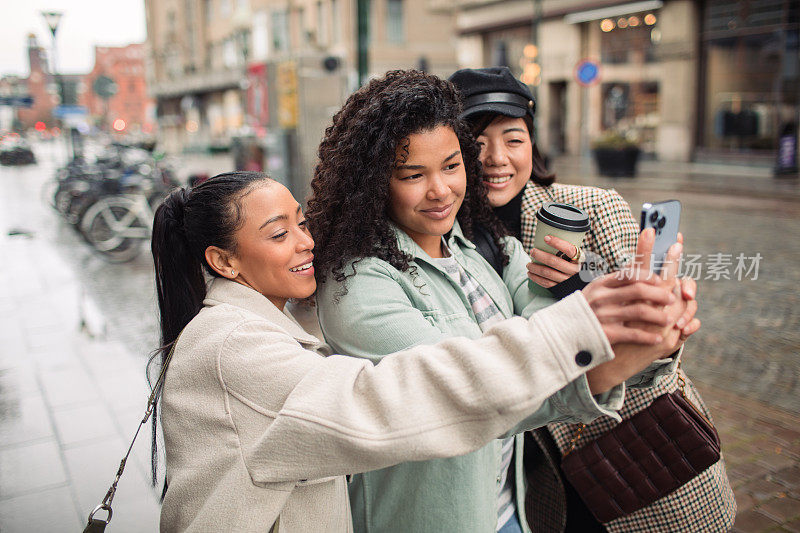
{"points": [[180, 286], [185, 224]]}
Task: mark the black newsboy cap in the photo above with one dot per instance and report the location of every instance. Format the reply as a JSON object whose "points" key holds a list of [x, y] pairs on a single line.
{"points": [[493, 90]]}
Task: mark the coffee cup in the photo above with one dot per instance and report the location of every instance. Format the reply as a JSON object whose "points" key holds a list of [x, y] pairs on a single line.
{"points": [[564, 221]]}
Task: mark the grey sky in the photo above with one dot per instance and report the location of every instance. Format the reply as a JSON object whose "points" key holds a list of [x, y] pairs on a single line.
{"points": [[85, 23]]}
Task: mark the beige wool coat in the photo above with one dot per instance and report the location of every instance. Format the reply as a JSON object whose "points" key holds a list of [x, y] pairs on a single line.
{"points": [[261, 424]]}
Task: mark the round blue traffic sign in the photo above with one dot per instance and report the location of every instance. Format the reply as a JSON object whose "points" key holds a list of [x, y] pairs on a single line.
{"points": [[587, 72]]}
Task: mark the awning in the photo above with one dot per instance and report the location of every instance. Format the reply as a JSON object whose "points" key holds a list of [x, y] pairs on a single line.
{"points": [[612, 11]]}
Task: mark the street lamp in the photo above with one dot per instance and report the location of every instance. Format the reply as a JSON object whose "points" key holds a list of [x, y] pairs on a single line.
{"points": [[52, 18]]}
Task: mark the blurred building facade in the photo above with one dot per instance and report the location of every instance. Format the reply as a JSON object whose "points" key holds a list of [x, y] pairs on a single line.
{"points": [[16, 87], [72, 99], [40, 85], [122, 68], [690, 79], [48, 90], [221, 70]]}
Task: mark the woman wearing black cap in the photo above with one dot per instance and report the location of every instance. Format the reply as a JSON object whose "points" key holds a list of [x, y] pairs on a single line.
{"points": [[500, 111]]}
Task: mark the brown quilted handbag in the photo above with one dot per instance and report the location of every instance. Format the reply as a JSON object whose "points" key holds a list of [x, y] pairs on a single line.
{"points": [[644, 458]]}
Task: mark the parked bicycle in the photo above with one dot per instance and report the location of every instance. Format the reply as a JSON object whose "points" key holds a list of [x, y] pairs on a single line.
{"points": [[110, 201]]}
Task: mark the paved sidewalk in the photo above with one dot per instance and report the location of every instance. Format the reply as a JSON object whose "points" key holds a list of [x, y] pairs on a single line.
{"points": [[69, 404], [750, 181], [761, 445]]}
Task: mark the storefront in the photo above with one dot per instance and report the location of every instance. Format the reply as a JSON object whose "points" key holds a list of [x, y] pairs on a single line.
{"points": [[630, 95], [646, 54], [702, 80], [750, 79]]}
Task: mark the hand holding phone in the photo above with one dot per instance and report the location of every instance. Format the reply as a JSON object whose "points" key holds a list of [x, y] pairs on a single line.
{"points": [[664, 218]]}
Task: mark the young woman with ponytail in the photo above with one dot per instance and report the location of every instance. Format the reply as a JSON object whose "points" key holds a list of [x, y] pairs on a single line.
{"points": [[261, 423]]}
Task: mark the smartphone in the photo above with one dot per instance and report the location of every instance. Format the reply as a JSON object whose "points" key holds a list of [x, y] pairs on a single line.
{"points": [[664, 217]]}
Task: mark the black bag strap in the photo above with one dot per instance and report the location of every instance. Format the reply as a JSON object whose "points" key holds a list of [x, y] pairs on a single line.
{"points": [[98, 525], [488, 249]]}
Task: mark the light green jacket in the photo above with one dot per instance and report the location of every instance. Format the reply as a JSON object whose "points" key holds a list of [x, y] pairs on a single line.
{"points": [[385, 310]]}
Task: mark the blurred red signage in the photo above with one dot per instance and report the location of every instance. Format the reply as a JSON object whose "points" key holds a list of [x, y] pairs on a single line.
{"points": [[257, 95]]}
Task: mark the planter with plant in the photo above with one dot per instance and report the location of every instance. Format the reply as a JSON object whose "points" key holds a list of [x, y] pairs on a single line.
{"points": [[616, 155]]}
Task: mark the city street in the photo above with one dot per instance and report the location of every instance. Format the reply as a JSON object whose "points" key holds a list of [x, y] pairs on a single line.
{"points": [[77, 331], [750, 338]]}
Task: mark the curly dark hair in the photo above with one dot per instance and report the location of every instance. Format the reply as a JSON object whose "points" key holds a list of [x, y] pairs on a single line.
{"points": [[348, 210]]}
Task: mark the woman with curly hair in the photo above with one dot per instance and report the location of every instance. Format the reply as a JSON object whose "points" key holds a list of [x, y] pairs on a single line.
{"points": [[396, 201]]}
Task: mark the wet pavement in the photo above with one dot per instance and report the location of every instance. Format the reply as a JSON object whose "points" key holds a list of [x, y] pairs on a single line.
{"points": [[745, 358], [750, 338], [77, 331], [69, 402]]}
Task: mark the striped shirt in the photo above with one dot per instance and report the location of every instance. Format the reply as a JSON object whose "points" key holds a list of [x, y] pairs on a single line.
{"points": [[486, 314]]}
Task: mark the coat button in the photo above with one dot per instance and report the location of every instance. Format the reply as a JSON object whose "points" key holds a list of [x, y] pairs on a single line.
{"points": [[583, 358]]}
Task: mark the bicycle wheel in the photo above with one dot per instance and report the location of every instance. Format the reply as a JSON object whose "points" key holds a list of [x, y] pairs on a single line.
{"points": [[116, 226], [62, 198]]}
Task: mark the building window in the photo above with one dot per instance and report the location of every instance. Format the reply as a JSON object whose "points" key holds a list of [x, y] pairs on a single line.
{"points": [[230, 57], [632, 107], [630, 38], [189, 29], [335, 21], [500, 54], [174, 67], [322, 24], [209, 62], [751, 82], [395, 22], [244, 46], [209, 9], [261, 43], [172, 36], [301, 25], [280, 31]]}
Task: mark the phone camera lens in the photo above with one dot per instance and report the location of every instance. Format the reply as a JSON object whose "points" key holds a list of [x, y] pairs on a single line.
{"points": [[653, 217], [661, 222]]}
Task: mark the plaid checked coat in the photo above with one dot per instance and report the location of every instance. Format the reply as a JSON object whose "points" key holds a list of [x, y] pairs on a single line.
{"points": [[706, 503]]}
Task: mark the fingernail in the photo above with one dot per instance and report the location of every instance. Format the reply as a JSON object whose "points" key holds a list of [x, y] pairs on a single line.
{"points": [[681, 322], [548, 238], [658, 339], [671, 298]]}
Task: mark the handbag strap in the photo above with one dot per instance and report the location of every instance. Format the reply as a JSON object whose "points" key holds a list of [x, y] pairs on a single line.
{"points": [[98, 525], [681, 387]]}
